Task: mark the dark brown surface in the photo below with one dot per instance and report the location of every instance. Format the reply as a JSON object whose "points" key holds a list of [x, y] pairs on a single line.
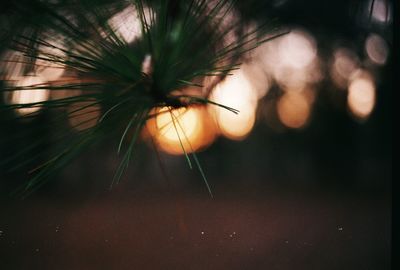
{"points": [[295, 231]]}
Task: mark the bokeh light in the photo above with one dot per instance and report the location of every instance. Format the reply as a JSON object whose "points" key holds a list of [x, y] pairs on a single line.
{"points": [[236, 92], [48, 64], [27, 96], [190, 128], [258, 78], [289, 78], [381, 10], [185, 120], [361, 97], [294, 109], [297, 49], [147, 66], [226, 18], [127, 23], [344, 63], [12, 65], [376, 49], [292, 60]]}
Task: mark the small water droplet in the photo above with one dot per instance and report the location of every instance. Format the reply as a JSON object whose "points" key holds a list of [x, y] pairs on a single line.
{"points": [[202, 232]]}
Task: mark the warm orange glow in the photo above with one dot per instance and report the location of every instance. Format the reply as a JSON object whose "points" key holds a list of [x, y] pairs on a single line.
{"points": [[361, 97], [82, 116], [187, 127], [27, 96], [236, 92], [294, 109], [376, 49], [186, 121]]}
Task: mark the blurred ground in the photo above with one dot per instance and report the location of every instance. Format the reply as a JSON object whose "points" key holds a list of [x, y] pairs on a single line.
{"points": [[237, 231]]}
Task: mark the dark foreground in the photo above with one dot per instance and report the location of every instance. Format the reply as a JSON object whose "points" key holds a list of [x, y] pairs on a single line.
{"points": [[295, 231]]}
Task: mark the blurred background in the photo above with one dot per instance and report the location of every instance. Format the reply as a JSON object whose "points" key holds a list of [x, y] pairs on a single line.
{"points": [[301, 178]]}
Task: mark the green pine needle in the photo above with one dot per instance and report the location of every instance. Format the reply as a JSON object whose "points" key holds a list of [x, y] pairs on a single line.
{"points": [[181, 41]]}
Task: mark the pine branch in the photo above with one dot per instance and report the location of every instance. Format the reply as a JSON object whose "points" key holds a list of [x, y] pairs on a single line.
{"points": [[180, 41]]}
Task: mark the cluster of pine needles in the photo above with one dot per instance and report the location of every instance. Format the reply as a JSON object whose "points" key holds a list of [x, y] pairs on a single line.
{"points": [[181, 44]]}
